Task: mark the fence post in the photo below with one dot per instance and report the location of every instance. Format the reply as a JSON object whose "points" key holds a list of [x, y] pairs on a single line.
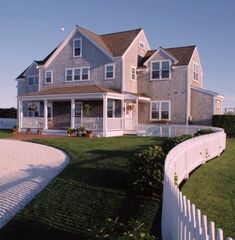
{"points": [[219, 234], [212, 231], [204, 228]]}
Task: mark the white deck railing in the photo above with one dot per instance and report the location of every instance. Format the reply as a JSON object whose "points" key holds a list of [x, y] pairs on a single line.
{"points": [[32, 122], [167, 130], [114, 123], [91, 123], [181, 220]]}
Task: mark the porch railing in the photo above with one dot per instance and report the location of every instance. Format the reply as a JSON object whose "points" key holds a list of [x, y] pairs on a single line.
{"points": [[32, 122], [91, 123], [114, 123]]}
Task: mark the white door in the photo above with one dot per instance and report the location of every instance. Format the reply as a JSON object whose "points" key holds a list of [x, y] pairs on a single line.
{"points": [[130, 116]]}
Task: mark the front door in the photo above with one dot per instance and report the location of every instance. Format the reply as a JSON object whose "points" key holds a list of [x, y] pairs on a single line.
{"points": [[62, 115], [130, 116]]}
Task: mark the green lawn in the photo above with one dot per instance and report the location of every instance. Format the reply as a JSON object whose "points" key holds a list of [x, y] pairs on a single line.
{"points": [[5, 133], [92, 187], [212, 189]]}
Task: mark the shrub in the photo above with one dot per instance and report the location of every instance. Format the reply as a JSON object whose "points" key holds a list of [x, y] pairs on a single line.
{"points": [[227, 122], [203, 132], [146, 171], [170, 143], [115, 230]]}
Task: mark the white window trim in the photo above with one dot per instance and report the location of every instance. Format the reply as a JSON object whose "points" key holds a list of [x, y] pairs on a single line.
{"points": [[33, 80], [105, 71], [73, 74], [76, 39], [160, 69], [47, 71], [135, 73], [140, 42], [160, 110], [196, 80], [38, 107]]}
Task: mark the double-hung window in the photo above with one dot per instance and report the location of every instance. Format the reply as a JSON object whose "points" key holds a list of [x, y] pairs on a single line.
{"points": [[195, 72], [69, 75], [32, 80], [133, 73], [77, 47], [48, 77], [109, 71], [77, 74], [160, 110], [160, 70]]}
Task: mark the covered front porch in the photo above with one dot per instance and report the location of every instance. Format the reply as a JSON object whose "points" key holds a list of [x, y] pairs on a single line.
{"points": [[106, 114]]}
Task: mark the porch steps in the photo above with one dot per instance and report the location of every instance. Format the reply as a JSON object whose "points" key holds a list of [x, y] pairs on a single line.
{"points": [[55, 132]]}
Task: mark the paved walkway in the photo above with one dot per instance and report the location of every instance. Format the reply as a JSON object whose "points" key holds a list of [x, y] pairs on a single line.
{"points": [[25, 169]]}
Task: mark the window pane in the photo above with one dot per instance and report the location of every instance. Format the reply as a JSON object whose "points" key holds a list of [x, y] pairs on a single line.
{"points": [[155, 74], [165, 110], [110, 109], [165, 69], [155, 115], [85, 72], [165, 65], [77, 74], [109, 75], [48, 77], [118, 108], [30, 80], [109, 71], [69, 75], [77, 47], [36, 80], [156, 66]]}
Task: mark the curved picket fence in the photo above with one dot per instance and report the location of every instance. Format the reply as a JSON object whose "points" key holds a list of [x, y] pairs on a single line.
{"points": [[181, 220]]}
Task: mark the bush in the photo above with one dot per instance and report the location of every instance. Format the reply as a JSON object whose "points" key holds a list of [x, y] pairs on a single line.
{"points": [[203, 132], [146, 171], [115, 230], [227, 122], [170, 143]]}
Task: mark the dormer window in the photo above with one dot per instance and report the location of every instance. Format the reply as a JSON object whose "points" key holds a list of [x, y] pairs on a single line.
{"points": [[48, 77], [109, 71], [195, 72], [77, 47], [160, 70]]}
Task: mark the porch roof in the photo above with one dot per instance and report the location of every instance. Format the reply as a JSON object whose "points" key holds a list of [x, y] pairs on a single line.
{"points": [[71, 90]]}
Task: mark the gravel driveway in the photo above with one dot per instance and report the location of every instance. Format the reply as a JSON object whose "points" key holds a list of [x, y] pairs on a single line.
{"points": [[25, 169]]}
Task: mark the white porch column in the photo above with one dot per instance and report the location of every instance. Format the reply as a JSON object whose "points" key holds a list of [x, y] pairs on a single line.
{"points": [[20, 114], [72, 113], [123, 113], [105, 105], [137, 115], [45, 114]]}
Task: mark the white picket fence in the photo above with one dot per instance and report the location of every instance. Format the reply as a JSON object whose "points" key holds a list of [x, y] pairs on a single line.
{"points": [[181, 220], [7, 123]]}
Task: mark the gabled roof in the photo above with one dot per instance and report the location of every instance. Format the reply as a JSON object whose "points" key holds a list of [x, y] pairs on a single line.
{"points": [[182, 54], [115, 43], [72, 90]]}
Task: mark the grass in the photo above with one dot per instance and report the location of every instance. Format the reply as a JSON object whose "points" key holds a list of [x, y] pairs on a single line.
{"points": [[5, 133], [212, 189], [91, 188]]}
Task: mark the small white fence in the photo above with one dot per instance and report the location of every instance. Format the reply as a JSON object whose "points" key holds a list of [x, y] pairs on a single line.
{"points": [[181, 220], [167, 130], [7, 123]]}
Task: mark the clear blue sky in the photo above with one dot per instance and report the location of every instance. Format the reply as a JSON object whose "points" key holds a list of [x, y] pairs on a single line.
{"points": [[31, 29]]}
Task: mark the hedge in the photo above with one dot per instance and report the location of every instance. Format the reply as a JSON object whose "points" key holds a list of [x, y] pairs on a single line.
{"points": [[8, 113], [227, 122]]}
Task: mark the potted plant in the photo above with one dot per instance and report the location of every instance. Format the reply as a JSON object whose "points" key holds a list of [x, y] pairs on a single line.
{"points": [[81, 131], [129, 107], [89, 134], [28, 130], [15, 130], [70, 131]]}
